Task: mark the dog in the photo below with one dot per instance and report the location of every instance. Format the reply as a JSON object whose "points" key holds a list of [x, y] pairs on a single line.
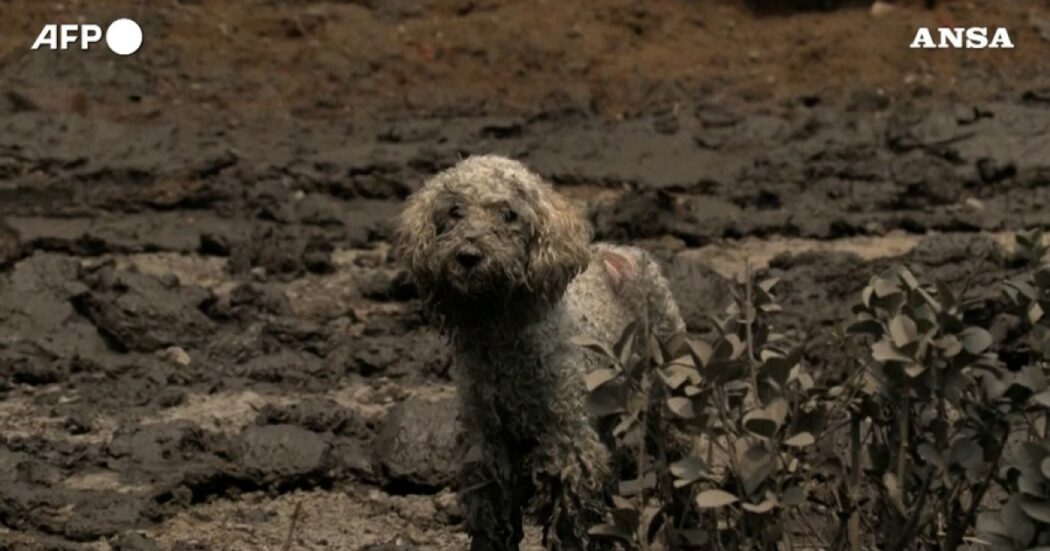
{"points": [[505, 267]]}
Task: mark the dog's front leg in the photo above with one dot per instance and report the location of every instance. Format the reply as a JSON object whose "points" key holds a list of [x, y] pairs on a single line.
{"points": [[494, 495]]}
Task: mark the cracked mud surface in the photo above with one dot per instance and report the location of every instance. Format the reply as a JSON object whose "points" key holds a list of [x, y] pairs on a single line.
{"points": [[202, 330]]}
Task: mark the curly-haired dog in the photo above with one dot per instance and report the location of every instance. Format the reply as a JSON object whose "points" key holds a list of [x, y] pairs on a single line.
{"points": [[505, 267]]}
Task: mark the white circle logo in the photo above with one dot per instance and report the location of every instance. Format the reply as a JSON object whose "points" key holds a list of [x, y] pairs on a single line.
{"points": [[124, 37]]}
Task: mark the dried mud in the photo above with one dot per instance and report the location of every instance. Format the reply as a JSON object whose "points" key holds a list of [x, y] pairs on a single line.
{"points": [[204, 340]]}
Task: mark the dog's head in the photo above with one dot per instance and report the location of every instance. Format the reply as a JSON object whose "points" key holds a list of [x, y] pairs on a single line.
{"points": [[488, 230]]}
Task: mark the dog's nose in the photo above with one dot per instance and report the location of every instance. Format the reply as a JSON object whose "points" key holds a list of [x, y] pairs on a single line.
{"points": [[468, 259]]}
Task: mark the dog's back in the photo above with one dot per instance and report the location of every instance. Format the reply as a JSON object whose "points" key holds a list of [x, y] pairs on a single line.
{"points": [[620, 285]]}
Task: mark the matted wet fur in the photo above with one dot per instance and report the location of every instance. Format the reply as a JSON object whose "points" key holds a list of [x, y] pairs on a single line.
{"points": [[506, 269]]}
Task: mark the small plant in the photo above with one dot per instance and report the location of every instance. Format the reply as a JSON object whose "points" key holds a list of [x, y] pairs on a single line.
{"points": [[1023, 522], [731, 443], [717, 432], [939, 411], [1030, 247]]}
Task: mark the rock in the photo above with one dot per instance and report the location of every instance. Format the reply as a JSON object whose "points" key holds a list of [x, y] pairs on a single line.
{"points": [[699, 291], [9, 244], [138, 312], [416, 446], [284, 253], [882, 9], [317, 415], [132, 541], [177, 355], [282, 455]]}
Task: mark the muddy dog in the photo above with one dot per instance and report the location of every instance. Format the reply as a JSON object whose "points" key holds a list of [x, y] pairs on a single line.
{"points": [[506, 269]]}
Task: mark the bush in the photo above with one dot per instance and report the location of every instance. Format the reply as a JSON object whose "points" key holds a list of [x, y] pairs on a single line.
{"points": [[730, 442]]}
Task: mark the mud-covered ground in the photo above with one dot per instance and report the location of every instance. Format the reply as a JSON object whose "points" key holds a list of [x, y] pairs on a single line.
{"points": [[204, 341]]}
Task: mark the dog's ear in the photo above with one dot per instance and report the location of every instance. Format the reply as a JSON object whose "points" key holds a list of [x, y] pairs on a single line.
{"points": [[560, 246], [414, 235]]}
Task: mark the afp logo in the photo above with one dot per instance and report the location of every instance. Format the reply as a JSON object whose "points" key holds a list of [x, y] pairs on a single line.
{"points": [[962, 37], [123, 36]]}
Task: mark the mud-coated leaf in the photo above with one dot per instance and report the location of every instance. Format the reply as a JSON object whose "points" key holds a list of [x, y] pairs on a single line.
{"points": [[866, 327], [761, 508], [975, 340], [682, 407], [944, 293], [1038, 510], [885, 287], [966, 453], [689, 470], [700, 350], [884, 351], [793, 497], [903, 330], [605, 400], [893, 492], [767, 421], [1018, 525], [950, 345], [695, 537], [931, 455], [988, 523], [624, 346], [594, 345], [1044, 467], [638, 485], [610, 531], [801, 440], [599, 377], [1035, 313], [713, 499], [755, 464]]}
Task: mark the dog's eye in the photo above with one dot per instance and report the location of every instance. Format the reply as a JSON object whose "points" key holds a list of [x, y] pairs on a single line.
{"points": [[455, 213], [509, 215]]}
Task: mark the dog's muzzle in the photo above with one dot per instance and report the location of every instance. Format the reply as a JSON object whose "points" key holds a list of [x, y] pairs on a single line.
{"points": [[469, 258]]}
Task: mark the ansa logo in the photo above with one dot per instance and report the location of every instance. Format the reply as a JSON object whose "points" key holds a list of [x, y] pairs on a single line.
{"points": [[962, 37]]}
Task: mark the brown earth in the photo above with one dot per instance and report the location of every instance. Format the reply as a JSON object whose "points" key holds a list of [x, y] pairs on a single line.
{"points": [[203, 335]]}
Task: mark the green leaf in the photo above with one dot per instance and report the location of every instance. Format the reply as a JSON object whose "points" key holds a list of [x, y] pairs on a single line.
{"points": [[599, 377], [713, 499]]}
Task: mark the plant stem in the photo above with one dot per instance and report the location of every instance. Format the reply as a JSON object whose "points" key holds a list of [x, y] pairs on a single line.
{"points": [[853, 526]]}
